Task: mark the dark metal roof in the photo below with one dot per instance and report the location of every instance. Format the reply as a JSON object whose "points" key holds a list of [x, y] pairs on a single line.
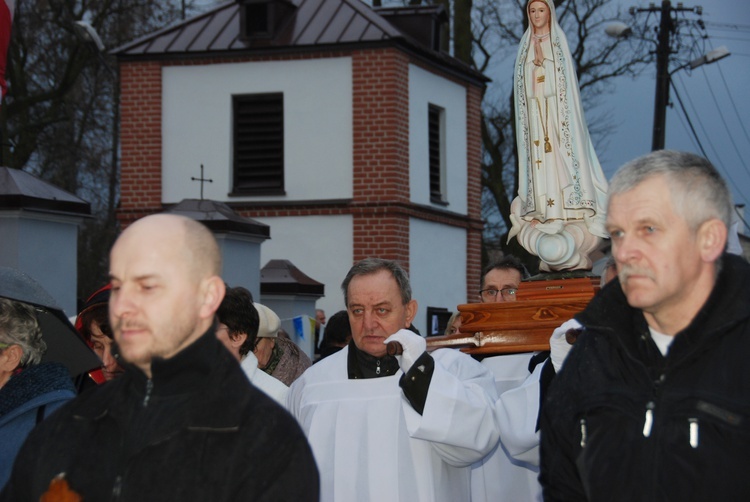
{"points": [[315, 22], [282, 277], [21, 190], [312, 24], [219, 217]]}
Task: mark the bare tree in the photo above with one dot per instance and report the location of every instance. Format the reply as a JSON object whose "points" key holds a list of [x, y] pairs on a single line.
{"points": [[59, 118]]}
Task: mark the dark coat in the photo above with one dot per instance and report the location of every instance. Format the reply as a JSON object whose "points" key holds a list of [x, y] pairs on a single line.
{"points": [[653, 427], [198, 430], [26, 400]]}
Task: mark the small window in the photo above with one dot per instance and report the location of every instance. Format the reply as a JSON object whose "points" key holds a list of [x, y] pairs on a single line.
{"points": [[258, 144], [436, 132], [256, 20]]}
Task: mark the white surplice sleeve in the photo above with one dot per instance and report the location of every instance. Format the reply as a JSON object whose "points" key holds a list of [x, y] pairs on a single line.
{"points": [[458, 417]]}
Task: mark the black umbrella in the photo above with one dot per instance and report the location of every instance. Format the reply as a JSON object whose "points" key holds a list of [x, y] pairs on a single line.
{"points": [[64, 344]]}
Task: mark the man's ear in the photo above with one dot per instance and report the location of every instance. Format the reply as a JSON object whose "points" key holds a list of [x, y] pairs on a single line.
{"points": [[213, 289], [10, 358], [411, 312], [237, 339], [712, 239]]}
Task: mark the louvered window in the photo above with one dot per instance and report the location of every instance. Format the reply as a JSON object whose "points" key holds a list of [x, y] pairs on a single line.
{"points": [[436, 132], [258, 144]]}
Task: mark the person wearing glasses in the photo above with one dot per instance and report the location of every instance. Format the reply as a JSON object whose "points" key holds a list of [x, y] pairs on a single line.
{"points": [[501, 279], [509, 472]]}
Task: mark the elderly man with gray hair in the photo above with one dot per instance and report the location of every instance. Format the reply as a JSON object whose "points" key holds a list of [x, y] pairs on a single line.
{"points": [[393, 427], [652, 403]]}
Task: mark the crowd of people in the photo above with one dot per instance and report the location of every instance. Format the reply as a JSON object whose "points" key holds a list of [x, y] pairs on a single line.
{"points": [[200, 396]]}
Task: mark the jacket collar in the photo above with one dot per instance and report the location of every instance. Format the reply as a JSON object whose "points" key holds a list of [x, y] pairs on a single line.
{"points": [[204, 373], [726, 306], [362, 365]]}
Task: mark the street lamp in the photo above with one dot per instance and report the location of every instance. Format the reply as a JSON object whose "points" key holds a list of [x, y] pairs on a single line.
{"points": [[667, 26], [618, 29], [709, 57]]}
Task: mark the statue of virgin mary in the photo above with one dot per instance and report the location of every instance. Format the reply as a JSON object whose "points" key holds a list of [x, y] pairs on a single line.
{"points": [[559, 212]]}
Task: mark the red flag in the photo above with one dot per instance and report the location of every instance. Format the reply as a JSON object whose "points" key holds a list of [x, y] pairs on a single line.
{"points": [[6, 21]]}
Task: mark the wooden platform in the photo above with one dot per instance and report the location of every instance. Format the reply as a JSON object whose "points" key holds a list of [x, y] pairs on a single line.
{"points": [[521, 326]]}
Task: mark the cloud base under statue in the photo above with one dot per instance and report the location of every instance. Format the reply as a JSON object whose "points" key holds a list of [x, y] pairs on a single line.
{"points": [[560, 245]]}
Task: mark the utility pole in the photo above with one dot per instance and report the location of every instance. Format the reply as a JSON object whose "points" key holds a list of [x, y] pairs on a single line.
{"points": [[666, 33], [664, 50], [667, 28]]}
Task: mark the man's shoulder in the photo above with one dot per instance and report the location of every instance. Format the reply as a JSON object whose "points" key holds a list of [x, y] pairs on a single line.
{"points": [[455, 360], [332, 368]]}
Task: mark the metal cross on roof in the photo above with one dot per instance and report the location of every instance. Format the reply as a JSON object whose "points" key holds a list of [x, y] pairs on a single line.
{"points": [[202, 180]]}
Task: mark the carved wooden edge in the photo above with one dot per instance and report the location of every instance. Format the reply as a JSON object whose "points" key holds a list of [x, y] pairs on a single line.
{"points": [[521, 326], [494, 342]]}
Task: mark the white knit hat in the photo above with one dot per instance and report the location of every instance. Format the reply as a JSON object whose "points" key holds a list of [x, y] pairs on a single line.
{"points": [[269, 322]]}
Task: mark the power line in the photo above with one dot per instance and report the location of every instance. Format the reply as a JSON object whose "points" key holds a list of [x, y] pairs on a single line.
{"points": [[723, 121], [728, 26], [697, 139], [686, 127], [698, 115], [734, 105], [687, 117], [724, 37]]}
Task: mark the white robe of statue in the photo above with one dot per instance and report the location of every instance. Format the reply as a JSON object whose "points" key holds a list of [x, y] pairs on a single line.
{"points": [[370, 444], [560, 181]]}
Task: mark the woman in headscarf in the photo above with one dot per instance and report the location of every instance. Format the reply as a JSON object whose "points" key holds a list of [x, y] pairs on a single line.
{"points": [[559, 175]]}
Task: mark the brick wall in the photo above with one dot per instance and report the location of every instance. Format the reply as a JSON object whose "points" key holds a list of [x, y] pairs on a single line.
{"points": [[140, 140], [380, 154], [474, 191]]}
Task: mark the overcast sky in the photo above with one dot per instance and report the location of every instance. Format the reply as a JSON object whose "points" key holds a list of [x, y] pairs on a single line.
{"points": [[716, 97]]}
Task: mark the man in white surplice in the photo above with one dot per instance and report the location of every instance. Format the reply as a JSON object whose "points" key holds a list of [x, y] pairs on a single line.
{"points": [[404, 427]]}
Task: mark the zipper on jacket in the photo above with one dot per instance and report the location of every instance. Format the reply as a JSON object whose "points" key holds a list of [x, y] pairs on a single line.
{"points": [[725, 416], [149, 388], [693, 424], [117, 487], [648, 421], [377, 370], [582, 422]]}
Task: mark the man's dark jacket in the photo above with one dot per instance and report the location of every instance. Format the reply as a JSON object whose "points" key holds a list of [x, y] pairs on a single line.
{"points": [[622, 422], [198, 430]]}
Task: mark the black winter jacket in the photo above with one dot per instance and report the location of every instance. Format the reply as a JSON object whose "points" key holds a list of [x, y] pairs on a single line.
{"points": [[198, 430], [623, 422]]}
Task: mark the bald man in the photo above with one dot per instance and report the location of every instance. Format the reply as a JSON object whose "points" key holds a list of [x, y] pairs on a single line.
{"points": [[183, 422]]}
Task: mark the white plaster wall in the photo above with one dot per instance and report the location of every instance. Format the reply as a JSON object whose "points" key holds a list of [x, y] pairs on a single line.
{"points": [[197, 126], [320, 246], [44, 246], [437, 267], [426, 88]]}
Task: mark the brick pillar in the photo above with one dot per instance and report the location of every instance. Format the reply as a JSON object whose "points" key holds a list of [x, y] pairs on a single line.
{"points": [[381, 154], [140, 140], [474, 190]]}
